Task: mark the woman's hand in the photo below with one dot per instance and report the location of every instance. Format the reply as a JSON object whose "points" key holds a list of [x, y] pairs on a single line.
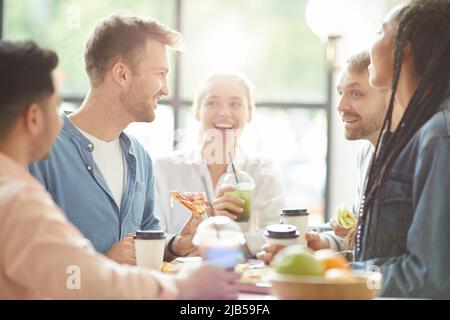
{"points": [[182, 244], [224, 204]]}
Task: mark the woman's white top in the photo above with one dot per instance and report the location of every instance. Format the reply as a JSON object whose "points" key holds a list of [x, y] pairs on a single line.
{"points": [[187, 171]]}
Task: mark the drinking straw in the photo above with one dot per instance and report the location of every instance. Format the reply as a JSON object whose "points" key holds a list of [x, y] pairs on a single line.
{"points": [[234, 169]]}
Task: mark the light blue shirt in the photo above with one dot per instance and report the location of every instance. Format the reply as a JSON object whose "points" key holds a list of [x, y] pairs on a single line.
{"points": [[77, 186]]}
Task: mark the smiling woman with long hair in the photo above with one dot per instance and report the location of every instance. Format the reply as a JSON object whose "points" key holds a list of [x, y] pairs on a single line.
{"points": [[223, 106], [404, 219]]}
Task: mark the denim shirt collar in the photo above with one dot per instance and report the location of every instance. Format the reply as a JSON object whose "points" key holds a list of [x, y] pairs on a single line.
{"points": [[87, 145]]}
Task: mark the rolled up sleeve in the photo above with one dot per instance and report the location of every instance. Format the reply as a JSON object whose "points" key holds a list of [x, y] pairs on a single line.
{"points": [[44, 254]]}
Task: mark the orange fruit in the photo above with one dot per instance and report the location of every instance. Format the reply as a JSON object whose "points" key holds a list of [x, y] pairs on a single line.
{"points": [[331, 259]]}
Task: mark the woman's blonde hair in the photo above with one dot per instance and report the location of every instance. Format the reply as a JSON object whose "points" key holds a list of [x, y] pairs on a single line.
{"points": [[213, 76]]}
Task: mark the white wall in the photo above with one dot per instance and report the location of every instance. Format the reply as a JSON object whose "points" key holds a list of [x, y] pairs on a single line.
{"points": [[343, 173]]}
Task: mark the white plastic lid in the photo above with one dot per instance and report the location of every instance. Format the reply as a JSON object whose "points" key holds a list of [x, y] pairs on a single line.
{"points": [[218, 231], [244, 180]]}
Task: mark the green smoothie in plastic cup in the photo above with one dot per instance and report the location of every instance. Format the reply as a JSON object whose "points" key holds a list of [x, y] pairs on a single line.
{"points": [[245, 195], [244, 190]]}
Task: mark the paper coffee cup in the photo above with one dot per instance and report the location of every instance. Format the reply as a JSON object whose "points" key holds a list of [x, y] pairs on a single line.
{"points": [[149, 246], [281, 234], [298, 218]]}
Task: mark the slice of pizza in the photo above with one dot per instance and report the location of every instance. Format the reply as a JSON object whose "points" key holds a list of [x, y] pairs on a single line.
{"points": [[196, 202]]}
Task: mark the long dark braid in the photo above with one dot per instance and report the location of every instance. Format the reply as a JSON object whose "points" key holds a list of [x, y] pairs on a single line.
{"points": [[425, 24]]}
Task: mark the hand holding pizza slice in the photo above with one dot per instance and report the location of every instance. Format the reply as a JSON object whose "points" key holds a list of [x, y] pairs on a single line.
{"points": [[196, 202]]}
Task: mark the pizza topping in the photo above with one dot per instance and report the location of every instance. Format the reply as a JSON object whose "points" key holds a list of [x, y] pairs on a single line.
{"points": [[195, 201]]}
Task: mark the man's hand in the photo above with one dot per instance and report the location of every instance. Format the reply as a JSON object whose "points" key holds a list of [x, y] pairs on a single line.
{"points": [[206, 282], [268, 252], [316, 241], [338, 230], [226, 203], [123, 251]]}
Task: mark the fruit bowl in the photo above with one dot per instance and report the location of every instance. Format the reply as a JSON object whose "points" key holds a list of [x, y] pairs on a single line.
{"points": [[296, 287]]}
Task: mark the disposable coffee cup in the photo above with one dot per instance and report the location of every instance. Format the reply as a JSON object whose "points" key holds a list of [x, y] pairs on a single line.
{"points": [[298, 218], [149, 246], [281, 234]]}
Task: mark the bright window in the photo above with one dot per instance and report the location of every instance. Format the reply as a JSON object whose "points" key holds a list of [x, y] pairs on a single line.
{"points": [[268, 40], [65, 25]]}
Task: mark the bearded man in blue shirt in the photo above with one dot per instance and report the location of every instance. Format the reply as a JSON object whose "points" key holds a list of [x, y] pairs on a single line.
{"points": [[101, 177]]}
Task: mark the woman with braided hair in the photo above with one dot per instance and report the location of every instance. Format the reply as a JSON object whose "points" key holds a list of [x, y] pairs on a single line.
{"points": [[405, 213]]}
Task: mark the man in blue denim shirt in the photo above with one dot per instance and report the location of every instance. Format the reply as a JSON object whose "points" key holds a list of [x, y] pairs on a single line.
{"points": [[100, 177], [71, 176]]}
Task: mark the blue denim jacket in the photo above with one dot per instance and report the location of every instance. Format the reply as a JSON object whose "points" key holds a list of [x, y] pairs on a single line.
{"points": [[77, 186], [406, 233]]}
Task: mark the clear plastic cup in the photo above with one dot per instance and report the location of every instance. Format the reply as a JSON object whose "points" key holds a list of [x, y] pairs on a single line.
{"points": [[219, 240], [244, 186]]}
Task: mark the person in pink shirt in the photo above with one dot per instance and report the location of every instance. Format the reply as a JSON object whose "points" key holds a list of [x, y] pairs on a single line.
{"points": [[42, 255]]}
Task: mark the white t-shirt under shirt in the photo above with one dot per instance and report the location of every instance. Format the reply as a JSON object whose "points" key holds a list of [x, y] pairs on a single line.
{"points": [[109, 159]]}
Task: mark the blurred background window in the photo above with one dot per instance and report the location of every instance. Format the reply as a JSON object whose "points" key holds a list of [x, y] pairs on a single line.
{"points": [[65, 25], [268, 40]]}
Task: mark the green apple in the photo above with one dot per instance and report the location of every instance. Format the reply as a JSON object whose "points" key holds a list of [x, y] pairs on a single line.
{"points": [[296, 260]]}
